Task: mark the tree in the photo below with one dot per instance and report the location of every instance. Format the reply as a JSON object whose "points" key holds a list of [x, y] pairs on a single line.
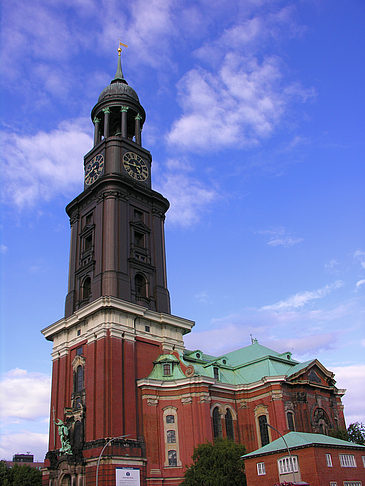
{"points": [[355, 433], [217, 464], [19, 475]]}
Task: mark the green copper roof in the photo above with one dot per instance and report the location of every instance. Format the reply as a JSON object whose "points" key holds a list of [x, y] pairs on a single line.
{"points": [[240, 367], [175, 370], [300, 366], [243, 366], [301, 439], [119, 74]]}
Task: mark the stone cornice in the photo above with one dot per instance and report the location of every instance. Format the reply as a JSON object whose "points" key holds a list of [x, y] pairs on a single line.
{"points": [[113, 303], [209, 382]]}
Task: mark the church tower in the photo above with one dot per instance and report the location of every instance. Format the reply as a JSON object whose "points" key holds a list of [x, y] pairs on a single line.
{"points": [[117, 223], [117, 311]]}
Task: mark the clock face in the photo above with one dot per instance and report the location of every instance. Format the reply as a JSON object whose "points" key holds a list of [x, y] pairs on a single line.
{"points": [[94, 169], [135, 166]]}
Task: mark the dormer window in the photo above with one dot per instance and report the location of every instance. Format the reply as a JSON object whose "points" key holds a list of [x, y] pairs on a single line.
{"points": [[216, 372], [167, 369]]}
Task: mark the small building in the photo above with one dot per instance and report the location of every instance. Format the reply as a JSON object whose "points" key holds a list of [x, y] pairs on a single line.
{"points": [[24, 460], [316, 459]]}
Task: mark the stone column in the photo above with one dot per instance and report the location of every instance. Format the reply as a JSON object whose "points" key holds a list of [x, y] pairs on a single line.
{"points": [[106, 122], [137, 129], [96, 130], [123, 123]]}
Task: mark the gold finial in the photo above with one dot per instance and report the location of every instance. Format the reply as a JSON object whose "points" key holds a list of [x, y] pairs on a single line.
{"points": [[119, 48]]}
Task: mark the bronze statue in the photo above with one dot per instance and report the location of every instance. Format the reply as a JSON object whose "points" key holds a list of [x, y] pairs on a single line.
{"points": [[65, 441]]}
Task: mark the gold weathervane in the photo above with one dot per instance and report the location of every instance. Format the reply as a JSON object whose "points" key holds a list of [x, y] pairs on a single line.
{"points": [[119, 48]]}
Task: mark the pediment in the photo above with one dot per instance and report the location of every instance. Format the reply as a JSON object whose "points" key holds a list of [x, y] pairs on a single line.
{"points": [[315, 374]]}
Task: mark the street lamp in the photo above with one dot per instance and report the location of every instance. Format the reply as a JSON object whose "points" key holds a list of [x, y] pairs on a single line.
{"points": [[101, 453], [290, 456]]}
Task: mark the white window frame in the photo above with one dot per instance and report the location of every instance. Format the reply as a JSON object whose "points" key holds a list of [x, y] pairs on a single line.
{"points": [[352, 483], [261, 471], [347, 460], [363, 460], [329, 460], [333, 483], [287, 464]]}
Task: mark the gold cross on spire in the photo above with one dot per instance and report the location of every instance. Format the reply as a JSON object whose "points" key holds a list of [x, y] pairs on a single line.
{"points": [[119, 48]]}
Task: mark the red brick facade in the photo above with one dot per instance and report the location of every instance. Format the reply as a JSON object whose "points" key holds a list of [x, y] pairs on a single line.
{"points": [[312, 467]]}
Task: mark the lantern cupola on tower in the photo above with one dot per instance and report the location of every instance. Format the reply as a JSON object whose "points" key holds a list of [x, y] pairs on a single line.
{"points": [[118, 111]]}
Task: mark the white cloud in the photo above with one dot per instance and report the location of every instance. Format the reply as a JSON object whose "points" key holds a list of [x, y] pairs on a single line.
{"points": [[24, 396], [359, 283], [41, 166], [24, 441], [237, 105], [302, 298], [244, 96], [351, 377], [3, 249], [280, 237], [189, 198], [359, 256]]}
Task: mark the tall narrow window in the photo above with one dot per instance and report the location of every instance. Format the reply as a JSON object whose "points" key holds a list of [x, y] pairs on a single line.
{"points": [[290, 419], [264, 433], [139, 239], [140, 285], [229, 425], [217, 424], [86, 288], [88, 241], [329, 460], [79, 379]]}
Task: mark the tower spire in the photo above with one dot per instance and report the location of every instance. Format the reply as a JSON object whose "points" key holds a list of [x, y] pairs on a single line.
{"points": [[119, 74]]}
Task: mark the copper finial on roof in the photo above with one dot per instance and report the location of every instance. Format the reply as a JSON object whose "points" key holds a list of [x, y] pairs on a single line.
{"points": [[119, 74]]}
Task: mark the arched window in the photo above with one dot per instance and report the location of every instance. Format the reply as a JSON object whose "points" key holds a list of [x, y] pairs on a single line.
{"points": [[264, 433], [290, 419], [229, 425], [217, 424], [79, 379], [86, 288], [140, 285]]}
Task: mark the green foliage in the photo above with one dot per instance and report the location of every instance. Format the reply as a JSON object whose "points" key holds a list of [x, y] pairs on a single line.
{"points": [[19, 475], [217, 464], [355, 433]]}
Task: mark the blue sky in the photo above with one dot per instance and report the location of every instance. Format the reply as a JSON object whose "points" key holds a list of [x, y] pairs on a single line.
{"points": [[256, 127]]}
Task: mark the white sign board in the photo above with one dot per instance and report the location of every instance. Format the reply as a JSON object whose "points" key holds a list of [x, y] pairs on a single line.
{"points": [[126, 476]]}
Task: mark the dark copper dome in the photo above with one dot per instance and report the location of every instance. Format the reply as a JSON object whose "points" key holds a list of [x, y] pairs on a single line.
{"points": [[118, 88]]}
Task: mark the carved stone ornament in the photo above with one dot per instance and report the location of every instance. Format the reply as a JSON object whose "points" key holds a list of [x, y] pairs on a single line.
{"points": [[186, 400], [243, 404], [277, 395], [189, 371], [301, 397], [205, 399], [152, 401], [78, 361]]}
